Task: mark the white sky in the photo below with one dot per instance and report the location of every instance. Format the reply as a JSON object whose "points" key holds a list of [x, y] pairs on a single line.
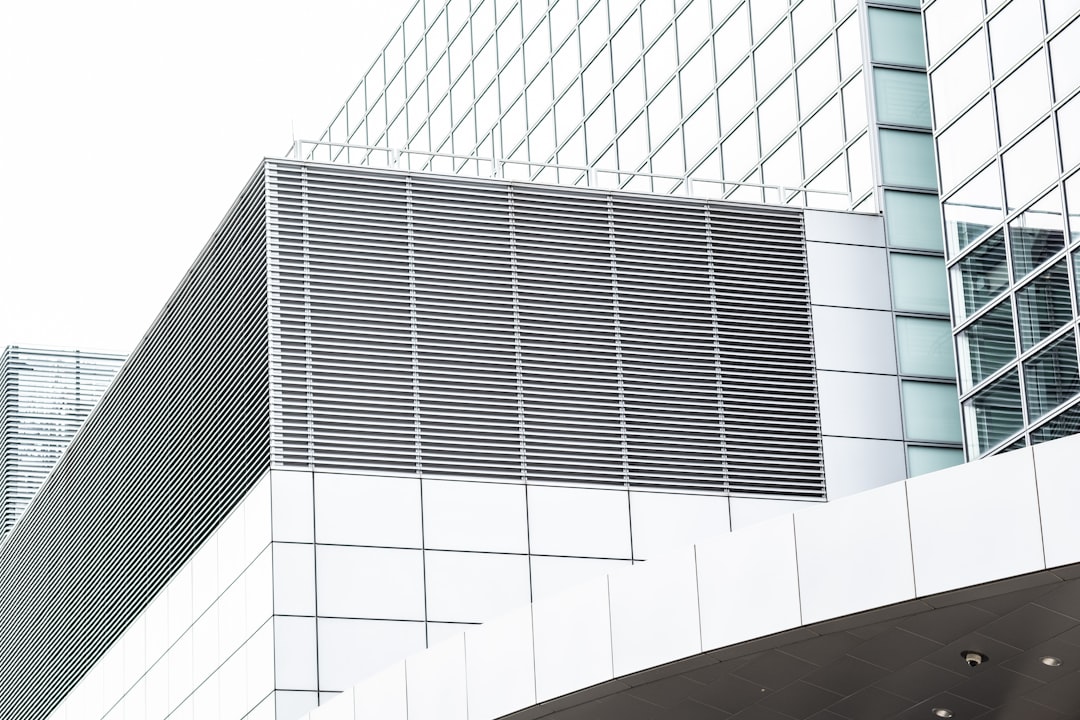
{"points": [[127, 128]]}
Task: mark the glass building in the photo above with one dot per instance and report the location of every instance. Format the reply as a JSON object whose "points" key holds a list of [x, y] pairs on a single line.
{"points": [[819, 103], [45, 395], [1007, 125]]}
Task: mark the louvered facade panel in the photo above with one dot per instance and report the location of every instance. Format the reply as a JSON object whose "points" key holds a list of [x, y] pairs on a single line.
{"points": [[479, 328], [177, 440]]}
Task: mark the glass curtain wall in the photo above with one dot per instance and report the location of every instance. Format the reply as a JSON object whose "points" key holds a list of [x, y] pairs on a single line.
{"points": [[1004, 79]]}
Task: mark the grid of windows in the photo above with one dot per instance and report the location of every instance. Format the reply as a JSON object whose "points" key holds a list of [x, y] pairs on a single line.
{"points": [[1005, 86], [753, 91]]}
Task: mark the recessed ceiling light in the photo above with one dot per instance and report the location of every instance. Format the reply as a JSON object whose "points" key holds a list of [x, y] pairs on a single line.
{"points": [[1050, 661], [943, 712]]}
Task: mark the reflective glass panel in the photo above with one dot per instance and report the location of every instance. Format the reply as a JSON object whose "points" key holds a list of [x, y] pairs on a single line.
{"points": [[732, 41], [1014, 32], [736, 96], [896, 37], [973, 209], [776, 114], [947, 21], [1065, 60], [740, 151], [823, 136], [1068, 125], [693, 26], [763, 13], [1051, 378], [663, 114], [811, 21], [629, 96], [700, 132], [925, 347], [1022, 98], [903, 98], [931, 411], [859, 167], [854, 96], [922, 460], [1030, 165], [660, 62], [967, 144], [994, 414], [1036, 234], [1044, 305], [960, 79], [907, 159], [595, 81], [773, 58], [696, 78], [783, 167], [816, 78], [919, 283], [983, 275], [1072, 201], [1067, 423], [913, 220], [850, 46]]}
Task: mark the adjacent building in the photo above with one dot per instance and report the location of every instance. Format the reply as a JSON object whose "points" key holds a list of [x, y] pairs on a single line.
{"points": [[1007, 124], [45, 395]]}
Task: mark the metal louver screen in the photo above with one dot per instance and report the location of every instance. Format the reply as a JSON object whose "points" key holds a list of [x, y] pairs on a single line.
{"points": [[176, 441], [486, 329]]}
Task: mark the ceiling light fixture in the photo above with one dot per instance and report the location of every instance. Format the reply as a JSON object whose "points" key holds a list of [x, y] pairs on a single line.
{"points": [[943, 712], [1050, 661]]}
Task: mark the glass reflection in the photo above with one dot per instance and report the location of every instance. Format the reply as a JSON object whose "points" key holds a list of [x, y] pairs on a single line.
{"points": [[740, 151], [1030, 165], [1065, 60], [732, 41], [965, 145], [1051, 378], [817, 77], [776, 115], [947, 22], [772, 59], [1068, 122], [1044, 305], [960, 79], [973, 209], [850, 46], [783, 167], [736, 96], [1014, 31], [1067, 423], [811, 21], [1036, 234], [823, 136], [1022, 98], [981, 276], [994, 414]]}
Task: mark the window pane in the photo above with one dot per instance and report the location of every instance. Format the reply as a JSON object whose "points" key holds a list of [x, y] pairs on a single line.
{"points": [[931, 411], [812, 20], [902, 97], [913, 220], [1044, 305], [1065, 60], [967, 144], [925, 347], [735, 97], [960, 79], [896, 37], [1036, 234], [922, 460], [1014, 31], [1051, 378], [994, 414], [986, 346], [973, 209], [1067, 423], [776, 115], [1030, 166], [731, 42], [773, 58], [1072, 201], [823, 136], [907, 159], [919, 283], [740, 151], [1022, 98], [1068, 122], [817, 78], [983, 275], [949, 20]]}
